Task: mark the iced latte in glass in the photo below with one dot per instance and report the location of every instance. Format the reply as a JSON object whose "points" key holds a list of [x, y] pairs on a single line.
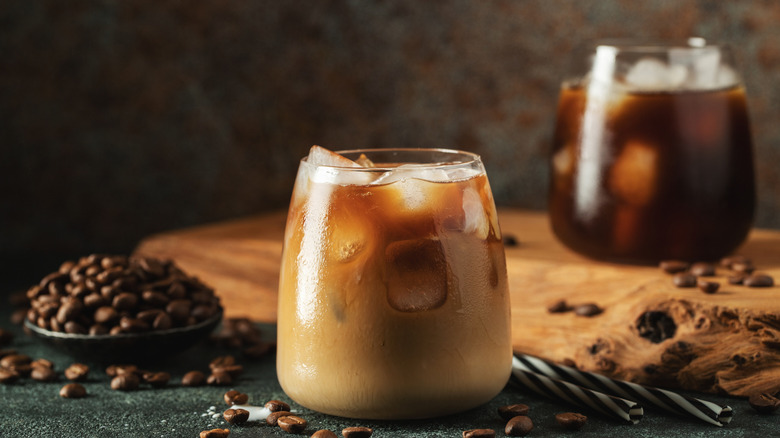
{"points": [[393, 298]]}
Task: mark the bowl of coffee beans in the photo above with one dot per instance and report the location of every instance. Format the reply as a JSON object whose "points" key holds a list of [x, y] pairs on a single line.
{"points": [[110, 308]]}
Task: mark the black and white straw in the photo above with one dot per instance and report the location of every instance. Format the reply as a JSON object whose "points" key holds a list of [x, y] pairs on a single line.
{"points": [[616, 407], [668, 400]]}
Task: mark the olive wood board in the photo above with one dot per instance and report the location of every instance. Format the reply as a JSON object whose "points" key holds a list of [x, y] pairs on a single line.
{"points": [[726, 342]]}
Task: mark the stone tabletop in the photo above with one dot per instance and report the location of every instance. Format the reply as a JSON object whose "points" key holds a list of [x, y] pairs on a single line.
{"points": [[34, 409]]}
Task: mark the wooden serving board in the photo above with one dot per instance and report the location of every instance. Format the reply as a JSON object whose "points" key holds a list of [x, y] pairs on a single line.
{"points": [[725, 342]]}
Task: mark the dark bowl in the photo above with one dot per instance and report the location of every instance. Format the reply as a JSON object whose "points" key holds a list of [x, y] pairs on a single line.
{"points": [[151, 346]]}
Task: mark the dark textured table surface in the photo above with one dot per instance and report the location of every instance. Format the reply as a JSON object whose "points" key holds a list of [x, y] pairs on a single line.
{"points": [[33, 409]]}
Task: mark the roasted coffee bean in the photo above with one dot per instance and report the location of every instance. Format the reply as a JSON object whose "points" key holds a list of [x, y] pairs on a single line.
{"points": [[94, 300], [559, 306], [759, 280], [203, 312], [106, 315], [14, 360], [179, 310], [357, 432], [157, 379], [673, 266], [324, 433], [763, 403], [133, 325], [6, 337], [121, 370], [291, 423], [520, 425], [701, 269], [708, 287], [277, 406], [234, 397], [744, 268], [176, 291], [215, 433], [193, 378], [148, 315], [478, 433], [98, 329], [43, 374], [125, 301], [588, 309], [222, 361], [273, 417], [233, 370], [115, 330], [125, 382], [736, 279], [510, 411], [42, 363], [219, 378], [684, 280], [236, 416], [155, 298], [509, 241], [727, 262], [162, 322], [8, 375], [73, 390], [77, 372], [75, 328], [571, 420]]}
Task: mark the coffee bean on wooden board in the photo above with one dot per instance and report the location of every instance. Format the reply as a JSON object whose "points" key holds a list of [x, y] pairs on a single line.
{"points": [[571, 420], [215, 433], [510, 411], [684, 280], [587, 309], [708, 287], [673, 266], [478, 433], [292, 424], [357, 432], [73, 390], [559, 306], [520, 425], [702, 269], [758, 280]]}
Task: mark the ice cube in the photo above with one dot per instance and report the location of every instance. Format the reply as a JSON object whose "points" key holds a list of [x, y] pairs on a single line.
{"points": [[651, 74], [351, 234], [476, 219], [332, 168], [364, 161], [319, 156], [404, 172], [634, 173], [416, 275]]}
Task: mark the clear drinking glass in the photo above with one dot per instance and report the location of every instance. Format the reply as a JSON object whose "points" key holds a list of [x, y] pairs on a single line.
{"points": [[652, 155], [393, 298]]}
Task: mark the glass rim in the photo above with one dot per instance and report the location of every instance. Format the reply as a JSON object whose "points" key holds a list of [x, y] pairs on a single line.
{"points": [[426, 164], [635, 44]]}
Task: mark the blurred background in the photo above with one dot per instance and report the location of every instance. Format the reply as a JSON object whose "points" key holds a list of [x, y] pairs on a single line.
{"points": [[119, 119]]}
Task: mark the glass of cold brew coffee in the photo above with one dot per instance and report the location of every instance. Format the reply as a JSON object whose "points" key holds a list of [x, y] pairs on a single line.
{"points": [[393, 300], [652, 155]]}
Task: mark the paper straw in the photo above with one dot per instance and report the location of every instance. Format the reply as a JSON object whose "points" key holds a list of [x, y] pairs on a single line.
{"points": [[668, 400], [622, 409]]}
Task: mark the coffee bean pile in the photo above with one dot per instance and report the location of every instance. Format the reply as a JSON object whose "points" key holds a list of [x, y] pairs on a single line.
{"points": [[109, 294], [584, 309], [740, 271]]}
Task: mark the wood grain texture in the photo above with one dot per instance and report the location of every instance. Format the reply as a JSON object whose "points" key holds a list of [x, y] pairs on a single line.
{"points": [[724, 342]]}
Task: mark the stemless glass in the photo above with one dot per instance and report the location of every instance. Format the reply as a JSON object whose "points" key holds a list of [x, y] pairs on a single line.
{"points": [[652, 155], [393, 300]]}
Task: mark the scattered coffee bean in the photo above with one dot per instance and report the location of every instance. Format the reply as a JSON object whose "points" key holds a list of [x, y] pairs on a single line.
{"points": [[478, 433], [673, 266], [215, 433], [15, 360], [736, 279], [588, 310], [75, 328], [42, 363], [6, 337], [125, 382], [510, 411], [219, 378], [708, 287], [357, 432], [764, 403], [571, 420], [520, 425], [684, 280], [276, 406], [701, 269], [73, 390], [744, 268], [559, 306], [759, 280], [193, 378], [222, 361], [43, 374], [234, 397], [157, 379], [119, 370], [324, 433], [727, 262], [236, 416], [8, 375], [510, 241], [77, 372], [292, 424], [273, 417]]}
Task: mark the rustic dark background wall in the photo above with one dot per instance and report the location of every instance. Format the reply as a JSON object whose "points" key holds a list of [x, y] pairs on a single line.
{"points": [[123, 118]]}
